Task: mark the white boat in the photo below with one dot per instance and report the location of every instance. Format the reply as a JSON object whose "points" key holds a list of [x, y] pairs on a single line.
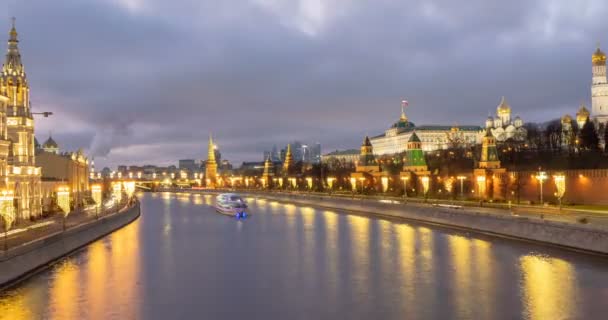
{"points": [[231, 204]]}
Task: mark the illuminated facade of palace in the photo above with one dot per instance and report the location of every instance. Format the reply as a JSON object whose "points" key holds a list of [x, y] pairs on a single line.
{"points": [[19, 172], [433, 137]]}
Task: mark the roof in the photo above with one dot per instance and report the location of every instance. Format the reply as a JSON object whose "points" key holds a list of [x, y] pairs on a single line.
{"points": [[343, 152], [414, 137], [50, 143]]}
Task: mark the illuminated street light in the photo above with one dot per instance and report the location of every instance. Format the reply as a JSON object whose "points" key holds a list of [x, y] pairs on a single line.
{"points": [[405, 180], [330, 182], [541, 177], [384, 181], [309, 182], [7, 211], [425, 185], [461, 178], [481, 185], [560, 184], [353, 184]]}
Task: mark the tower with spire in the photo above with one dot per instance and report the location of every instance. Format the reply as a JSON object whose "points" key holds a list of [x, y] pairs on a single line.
{"points": [[288, 163], [23, 174], [599, 86], [268, 171], [488, 170], [211, 164]]}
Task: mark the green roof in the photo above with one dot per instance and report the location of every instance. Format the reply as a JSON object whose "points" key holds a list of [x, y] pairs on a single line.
{"points": [[414, 137]]}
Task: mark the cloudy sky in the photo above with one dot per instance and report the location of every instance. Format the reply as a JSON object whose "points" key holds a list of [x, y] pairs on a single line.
{"points": [[146, 81]]}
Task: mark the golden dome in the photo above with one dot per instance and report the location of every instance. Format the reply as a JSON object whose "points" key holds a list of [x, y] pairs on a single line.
{"points": [[582, 111], [599, 57], [503, 107], [566, 119]]}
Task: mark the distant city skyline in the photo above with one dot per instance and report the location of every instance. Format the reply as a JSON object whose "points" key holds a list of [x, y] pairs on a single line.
{"points": [[331, 73]]}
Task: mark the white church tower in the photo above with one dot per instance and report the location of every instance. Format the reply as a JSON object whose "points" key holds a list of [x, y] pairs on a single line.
{"points": [[599, 87]]}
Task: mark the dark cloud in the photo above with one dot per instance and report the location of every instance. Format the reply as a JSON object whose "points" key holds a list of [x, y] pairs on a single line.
{"points": [[146, 81]]}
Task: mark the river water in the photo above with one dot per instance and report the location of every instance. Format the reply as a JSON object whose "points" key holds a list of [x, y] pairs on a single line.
{"points": [[181, 260]]}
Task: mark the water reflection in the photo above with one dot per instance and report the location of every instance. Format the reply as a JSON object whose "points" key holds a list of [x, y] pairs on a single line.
{"points": [[549, 288], [64, 291], [299, 262]]}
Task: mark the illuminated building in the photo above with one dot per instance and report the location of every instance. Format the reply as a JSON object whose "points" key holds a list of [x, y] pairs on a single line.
{"points": [[340, 158], [414, 163], [268, 171], [18, 127], [50, 146], [503, 127], [288, 162], [582, 115], [70, 169], [599, 87], [433, 137], [211, 164], [367, 166], [488, 167]]}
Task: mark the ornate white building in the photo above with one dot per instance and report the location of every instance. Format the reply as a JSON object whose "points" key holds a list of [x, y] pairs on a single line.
{"points": [[503, 127], [599, 87], [433, 137], [19, 173]]}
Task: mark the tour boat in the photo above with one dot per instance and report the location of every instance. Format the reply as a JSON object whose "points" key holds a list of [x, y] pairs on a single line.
{"points": [[231, 204]]}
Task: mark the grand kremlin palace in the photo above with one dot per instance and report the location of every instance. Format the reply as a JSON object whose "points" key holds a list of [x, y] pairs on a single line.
{"points": [[437, 137]]}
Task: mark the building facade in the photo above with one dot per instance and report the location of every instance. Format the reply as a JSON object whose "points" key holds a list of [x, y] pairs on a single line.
{"points": [[433, 137], [70, 169], [503, 127], [22, 175]]}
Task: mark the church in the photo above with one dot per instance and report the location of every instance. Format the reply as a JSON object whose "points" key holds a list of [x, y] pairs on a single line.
{"points": [[19, 175]]}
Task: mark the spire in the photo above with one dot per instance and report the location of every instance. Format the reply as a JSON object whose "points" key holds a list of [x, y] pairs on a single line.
{"points": [[12, 63], [211, 150], [287, 164], [404, 104]]}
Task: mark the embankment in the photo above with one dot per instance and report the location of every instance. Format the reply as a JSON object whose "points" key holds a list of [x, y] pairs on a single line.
{"points": [[21, 262]]}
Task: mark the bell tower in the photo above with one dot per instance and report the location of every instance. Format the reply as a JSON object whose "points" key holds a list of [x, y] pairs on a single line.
{"points": [[599, 87]]}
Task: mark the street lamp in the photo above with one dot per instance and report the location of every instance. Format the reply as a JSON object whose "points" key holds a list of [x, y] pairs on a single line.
{"points": [[541, 177], [309, 182], [405, 179], [560, 184], [461, 178], [425, 185], [384, 181], [481, 185], [330, 182]]}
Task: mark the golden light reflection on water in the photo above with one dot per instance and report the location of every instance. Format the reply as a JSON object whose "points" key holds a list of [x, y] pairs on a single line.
{"points": [[97, 277], [406, 241], [198, 199], [125, 255], [549, 288], [17, 306], [359, 239], [64, 291], [460, 250]]}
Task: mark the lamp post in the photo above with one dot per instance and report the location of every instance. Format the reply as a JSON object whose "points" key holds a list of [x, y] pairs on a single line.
{"points": [[541, 177], [560, 184], [461, 178], [425, 186], [405, 179]]}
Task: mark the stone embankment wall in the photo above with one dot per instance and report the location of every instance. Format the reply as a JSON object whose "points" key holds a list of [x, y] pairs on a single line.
{"points": [[20, 262], [580, 237], [572, 236]]}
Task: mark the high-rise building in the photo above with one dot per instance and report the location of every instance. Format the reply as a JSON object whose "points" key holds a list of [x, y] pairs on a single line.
{"points": [[188, 164], [18, 127]]}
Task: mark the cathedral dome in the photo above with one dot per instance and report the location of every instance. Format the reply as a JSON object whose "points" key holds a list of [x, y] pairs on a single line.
{"points": [[598, 58], [583, 112], [503, 107], [566, 119]]}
